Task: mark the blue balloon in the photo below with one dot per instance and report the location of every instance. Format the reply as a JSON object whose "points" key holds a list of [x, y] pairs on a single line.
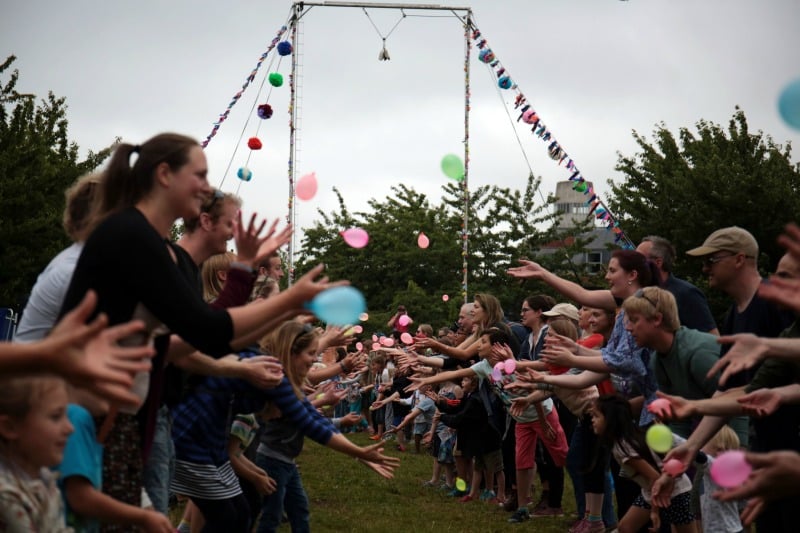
{"points": [[789, 104], [339, 306], [284, 48]]}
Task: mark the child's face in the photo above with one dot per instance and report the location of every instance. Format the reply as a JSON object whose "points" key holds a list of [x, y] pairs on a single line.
{"points": [[305, 360], [40, 437], [376, 368], [484, 347], [598, 421], [467, 384]]}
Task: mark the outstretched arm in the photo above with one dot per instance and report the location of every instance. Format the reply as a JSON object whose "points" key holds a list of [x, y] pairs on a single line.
{"points": [[594, 298]]}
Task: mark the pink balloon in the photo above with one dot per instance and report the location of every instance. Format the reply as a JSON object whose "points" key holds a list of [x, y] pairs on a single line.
{"points": [[355, 237], [376, 346], [387, 341], [730, 469], [673, 467], [407, 338], [496, 375], [404, 320], [307, 186], [500, 366], [374, 338], [660, 407], [423, 241], [358, 329], [363, 317], [359, 346], [445, 297], [510, 365]]}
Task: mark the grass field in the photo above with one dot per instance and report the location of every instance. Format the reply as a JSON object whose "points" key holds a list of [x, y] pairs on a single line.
{"points": [[346, 496]]}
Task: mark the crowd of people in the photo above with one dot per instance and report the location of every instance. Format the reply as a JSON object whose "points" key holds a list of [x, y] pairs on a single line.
{"points": [[144, 369]]}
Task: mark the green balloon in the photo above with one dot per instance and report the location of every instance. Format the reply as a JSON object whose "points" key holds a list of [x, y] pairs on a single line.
{"points": [[461, 484], [659, 438], [452, 167]]}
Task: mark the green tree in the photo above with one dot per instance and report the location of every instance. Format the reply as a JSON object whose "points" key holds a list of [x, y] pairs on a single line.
{"points": [[685, 187], [504, 225], [37, 163]]}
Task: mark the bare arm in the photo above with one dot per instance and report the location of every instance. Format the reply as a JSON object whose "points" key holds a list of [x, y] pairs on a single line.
{"points": [[89, 502], [594, 298]]}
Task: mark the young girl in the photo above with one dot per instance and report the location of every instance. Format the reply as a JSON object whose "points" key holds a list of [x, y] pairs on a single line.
{"points": [[282, 440], [718, 516], [33, 432], [612, 422]]}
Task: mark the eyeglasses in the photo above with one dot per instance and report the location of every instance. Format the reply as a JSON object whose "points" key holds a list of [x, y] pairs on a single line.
{"points": [[525, 310], [640, 294], [215, 197], [710, 261], [307, 328]]}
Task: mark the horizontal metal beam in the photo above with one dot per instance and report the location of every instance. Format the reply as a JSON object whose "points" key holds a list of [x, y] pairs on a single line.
{"points": [[383, 5]]}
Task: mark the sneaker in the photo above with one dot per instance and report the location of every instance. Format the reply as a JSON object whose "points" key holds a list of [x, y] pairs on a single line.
{"points": [[487, 495], [510, 504], [457, 493], [376, 437], [466, 498], [519, 516], [547, 511], [542, 504], [429, 483], [585, 526]]}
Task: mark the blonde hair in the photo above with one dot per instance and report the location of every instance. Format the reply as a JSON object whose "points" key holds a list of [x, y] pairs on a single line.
{"points": [[21, 393], [79, 199], [564, 327], [285, 343], [725, 439], [212, 284], [649, 301]]}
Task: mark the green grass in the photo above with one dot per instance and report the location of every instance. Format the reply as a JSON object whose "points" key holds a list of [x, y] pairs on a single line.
{"points": [[346, 496]]}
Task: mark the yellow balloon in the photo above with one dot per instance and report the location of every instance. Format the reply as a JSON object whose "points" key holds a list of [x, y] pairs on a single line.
{"points": [[461, 484], [659, 438]]}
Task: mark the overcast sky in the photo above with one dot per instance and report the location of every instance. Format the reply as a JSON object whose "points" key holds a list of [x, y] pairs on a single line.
{"points": [[594, 70]]}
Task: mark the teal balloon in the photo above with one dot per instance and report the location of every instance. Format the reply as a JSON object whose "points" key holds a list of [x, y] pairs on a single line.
{"points": [[338, 306], [789, 104], [452, 167]]}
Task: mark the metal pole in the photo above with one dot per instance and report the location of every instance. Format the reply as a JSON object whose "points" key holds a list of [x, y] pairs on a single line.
{"points": [[465, 183], [292, 217]]}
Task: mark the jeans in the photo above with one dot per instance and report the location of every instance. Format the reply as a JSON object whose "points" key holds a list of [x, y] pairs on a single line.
{"points": [[289, 496], [578, 457], [160, 465]]}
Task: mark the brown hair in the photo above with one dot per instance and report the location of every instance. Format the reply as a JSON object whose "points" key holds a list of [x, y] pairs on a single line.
{"points": [[213, 207], [20, 393], [492, 309], [563, 326], [123, 185], [79, 201], [633, 261]]}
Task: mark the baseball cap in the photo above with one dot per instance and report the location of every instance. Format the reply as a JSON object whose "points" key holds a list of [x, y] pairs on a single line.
{"points": [[733, 239], [565, 310]]}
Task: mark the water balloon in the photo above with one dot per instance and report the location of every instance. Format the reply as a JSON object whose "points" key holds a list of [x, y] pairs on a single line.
{"points": [[660, 407], [789, 104], [453, 167], [461, 484], [407, 338], [510, 365], [359, 346], [339, 305], [673, 467], [423, 241], [307, 187], [659, 438], [355, 237], [404, 320], [445, 297], [730, 469], [363, 317]]}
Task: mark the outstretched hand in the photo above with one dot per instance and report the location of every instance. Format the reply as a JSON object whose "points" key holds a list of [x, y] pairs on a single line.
{"points": [[761, 402], [747, 351], [251, 248], [88, 356], [527, 270]]}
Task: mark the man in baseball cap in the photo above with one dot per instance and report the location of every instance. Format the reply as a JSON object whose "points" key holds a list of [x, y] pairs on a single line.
{"points": [[729, 260], [733, 239]]}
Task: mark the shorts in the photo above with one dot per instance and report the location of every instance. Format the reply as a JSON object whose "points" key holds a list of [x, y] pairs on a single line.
{"points": [[527, 433], [679, 511], [490, 461], [443, 450], [421, 429]]}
